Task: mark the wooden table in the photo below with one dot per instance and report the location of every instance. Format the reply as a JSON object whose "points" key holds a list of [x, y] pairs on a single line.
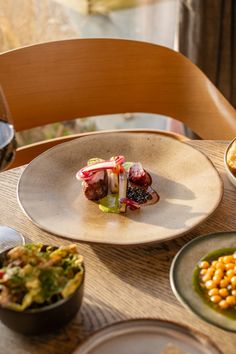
{"points": [[120, 283]]}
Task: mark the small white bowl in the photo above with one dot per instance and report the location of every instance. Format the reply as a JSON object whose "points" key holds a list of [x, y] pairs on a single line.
{"points": [[230, 174]]}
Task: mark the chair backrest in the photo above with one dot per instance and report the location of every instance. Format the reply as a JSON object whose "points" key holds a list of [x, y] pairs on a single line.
{"points": [[69, 79]]}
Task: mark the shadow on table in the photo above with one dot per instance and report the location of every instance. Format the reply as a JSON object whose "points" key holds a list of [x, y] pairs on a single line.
{"points": [[94, 314], [146, 268]]}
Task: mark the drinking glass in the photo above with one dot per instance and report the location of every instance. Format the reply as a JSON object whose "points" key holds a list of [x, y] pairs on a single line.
{"points": [[8, 236]]}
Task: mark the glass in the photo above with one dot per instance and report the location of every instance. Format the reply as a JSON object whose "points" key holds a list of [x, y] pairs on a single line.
{"points": [[7, 134], [8, 236]]}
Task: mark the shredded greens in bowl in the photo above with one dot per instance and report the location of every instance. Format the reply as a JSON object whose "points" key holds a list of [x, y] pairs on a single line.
{"points": [[34, 275]]}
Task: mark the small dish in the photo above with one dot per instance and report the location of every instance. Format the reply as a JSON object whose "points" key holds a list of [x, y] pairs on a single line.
{"points": [[185, 262], [44, 319], [149, 336], [229, 172]]}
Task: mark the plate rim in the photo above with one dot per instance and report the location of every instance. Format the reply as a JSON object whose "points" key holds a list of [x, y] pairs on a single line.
{"points": [[172, 278], [126, 244], [189, 331]]}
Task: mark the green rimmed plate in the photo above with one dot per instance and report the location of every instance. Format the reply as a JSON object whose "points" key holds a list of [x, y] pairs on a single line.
{"points": [[181, 276]]}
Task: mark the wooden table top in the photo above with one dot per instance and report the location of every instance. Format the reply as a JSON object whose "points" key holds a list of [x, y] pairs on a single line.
{"points": [[121, 283]]}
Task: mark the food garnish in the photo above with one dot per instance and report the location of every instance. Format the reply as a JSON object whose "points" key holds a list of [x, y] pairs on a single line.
{"points": [[33, 276], [217, 279], [116, 184], [231, 157]]}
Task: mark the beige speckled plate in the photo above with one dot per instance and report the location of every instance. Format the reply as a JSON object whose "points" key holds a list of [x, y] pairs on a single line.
{"points": [[149, 336], [189, 186]]}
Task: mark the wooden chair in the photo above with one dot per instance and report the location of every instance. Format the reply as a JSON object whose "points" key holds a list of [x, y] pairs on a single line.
{"points": [[69, 79]]}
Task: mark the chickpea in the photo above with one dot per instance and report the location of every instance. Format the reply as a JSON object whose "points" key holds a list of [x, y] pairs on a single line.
{"points": [[228, 259], [219, 272], [223, 292], [213, 292], [221, 259], [217, 279], [204, 265], [203, 271], [210, 271], [224, 283], [206, 278], [216, 299], [233, 280], [230, 274], [233, 292], [214, 263], [210, 284], [231, 300], [220, 265], [223, 304], [229, 266]]}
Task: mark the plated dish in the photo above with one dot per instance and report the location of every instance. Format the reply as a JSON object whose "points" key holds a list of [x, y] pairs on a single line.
{"points": [[117, 185], [189, 186], [149, 336], [41, 286], [230, 161], [208, 287]]}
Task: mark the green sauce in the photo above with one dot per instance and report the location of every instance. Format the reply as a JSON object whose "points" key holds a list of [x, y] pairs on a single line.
{"points": [[127, 165], [110, 204], [231, 313]]}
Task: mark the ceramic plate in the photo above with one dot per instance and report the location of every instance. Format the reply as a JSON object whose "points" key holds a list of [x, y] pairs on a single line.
{"points": [[149, 337], [189, 186], [229, 173], [185, 262]]}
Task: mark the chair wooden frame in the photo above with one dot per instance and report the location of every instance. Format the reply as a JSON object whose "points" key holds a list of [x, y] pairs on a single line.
{"points": [[77, 78]]}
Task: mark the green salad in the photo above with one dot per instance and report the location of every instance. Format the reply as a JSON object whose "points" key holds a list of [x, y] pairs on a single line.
{"points": [[35, 275]]}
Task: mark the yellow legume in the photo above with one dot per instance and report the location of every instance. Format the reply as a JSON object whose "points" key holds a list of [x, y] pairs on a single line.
{"points": [[228, 259], [224, 283], [230, 274], [210, 271], [233, 292], [233, 280], [213, 292], [215, 299], [206, 278], [210, 284], [203, 271], [223, 292], [219, 272], [204, 265], [223, 304], [217, 279], [220, 265], [231, 300], [214, 263], [229, 266]]}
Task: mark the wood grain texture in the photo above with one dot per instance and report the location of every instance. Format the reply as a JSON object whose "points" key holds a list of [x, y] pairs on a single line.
{"points": [[120, 283]]}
